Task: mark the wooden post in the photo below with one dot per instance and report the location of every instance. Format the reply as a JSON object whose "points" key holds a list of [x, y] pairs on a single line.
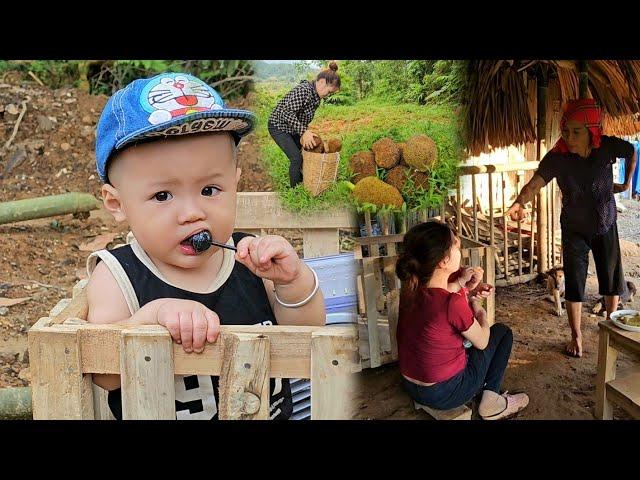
{"points": [[533, 234], [583, 68], [146, 374], [319, 242], [491, 226], [59, 391], [543, 227], [518, 178], [505, 219], [333, 364], [607, 357], [459, 207], [475, 207], [370, 297], [553, 223], [244, 381], [490, 278]]}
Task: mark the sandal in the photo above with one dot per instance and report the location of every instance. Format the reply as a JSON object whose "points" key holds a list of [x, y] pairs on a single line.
{"points": [[514, 403]]}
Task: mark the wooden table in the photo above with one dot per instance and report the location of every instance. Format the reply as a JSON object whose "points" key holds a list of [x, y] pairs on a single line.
{"points": [[620, 388]]}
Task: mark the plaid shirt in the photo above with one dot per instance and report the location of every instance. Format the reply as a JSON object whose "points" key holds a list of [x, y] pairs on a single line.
{"points": [[295, 110]]}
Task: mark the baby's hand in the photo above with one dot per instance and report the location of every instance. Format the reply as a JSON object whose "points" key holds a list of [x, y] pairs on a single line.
{"points": [[270, 257], [189, 323]]}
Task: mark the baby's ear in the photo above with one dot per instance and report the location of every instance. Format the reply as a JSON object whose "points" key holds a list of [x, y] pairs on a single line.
{"points": [[238, 173], [112, 202]]}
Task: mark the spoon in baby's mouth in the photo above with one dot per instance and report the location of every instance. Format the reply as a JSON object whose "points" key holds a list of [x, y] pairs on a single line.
{"points": [[201, 242]]}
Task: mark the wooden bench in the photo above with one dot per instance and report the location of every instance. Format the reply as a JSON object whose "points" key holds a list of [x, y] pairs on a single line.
{"points": [[612, 387], [462, 412]]}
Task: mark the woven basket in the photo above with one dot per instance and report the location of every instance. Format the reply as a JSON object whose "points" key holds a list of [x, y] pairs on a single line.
{"points": [[319, 171]]}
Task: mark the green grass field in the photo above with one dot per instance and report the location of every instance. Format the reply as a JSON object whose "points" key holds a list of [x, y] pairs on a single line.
{"points": [[359, 126]]}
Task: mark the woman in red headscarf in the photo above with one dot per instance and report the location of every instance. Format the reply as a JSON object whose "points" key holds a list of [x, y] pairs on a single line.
{"points": [[581, 162]]}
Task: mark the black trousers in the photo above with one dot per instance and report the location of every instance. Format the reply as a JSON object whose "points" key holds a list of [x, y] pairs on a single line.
{"points": [[606, 255], [291, 146]]}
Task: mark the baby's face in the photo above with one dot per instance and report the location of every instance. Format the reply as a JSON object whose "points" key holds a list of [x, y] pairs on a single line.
{"points": [[170, 190]]}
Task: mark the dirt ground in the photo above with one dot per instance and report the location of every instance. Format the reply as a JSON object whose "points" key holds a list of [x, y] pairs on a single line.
{"points": [[559, 387]]}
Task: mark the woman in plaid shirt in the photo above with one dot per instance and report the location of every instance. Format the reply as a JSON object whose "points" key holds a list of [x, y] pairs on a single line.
{"points": [[290, 119]]}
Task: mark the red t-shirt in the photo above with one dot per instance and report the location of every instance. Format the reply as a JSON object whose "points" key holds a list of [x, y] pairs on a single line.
{"points": [[429, 335]]}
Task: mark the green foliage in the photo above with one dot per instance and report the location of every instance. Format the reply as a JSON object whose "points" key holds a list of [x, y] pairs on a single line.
{"points": [[359, 126], [107, 76]]}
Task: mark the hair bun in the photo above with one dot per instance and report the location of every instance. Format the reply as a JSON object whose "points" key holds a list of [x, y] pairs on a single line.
{"points": [[333, 66]]}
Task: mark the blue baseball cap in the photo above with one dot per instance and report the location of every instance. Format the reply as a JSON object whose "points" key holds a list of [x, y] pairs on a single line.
{"points": [[163, 105]]}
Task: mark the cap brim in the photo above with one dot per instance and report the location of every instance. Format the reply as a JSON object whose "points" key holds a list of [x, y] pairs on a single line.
{"points": [[238, 122]]}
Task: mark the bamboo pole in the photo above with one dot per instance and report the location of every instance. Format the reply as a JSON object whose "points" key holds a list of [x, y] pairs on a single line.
{"points": [[543, 232], [40, 207]]}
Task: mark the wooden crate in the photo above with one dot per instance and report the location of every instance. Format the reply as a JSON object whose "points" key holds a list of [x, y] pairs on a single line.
{"points": [[379, 293], [65, 350]]}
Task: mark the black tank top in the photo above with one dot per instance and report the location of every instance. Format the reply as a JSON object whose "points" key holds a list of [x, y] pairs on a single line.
{"points": [[241, 300]]}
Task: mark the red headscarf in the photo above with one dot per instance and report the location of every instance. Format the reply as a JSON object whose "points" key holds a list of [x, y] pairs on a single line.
{"points": [[586, 111]]}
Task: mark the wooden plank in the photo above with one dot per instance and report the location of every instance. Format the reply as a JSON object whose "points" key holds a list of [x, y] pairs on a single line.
{"points": [[101, 408], [607, 357], [515, 280], [624, 391], [374, 250], [244, 381], [462, 412], [146, 375], [59, 389], [370, 295], [78, 307], [334, 360], [257, 210], [622, 339], [290, 348], [319, 242], [397, 238], [500, 168]]}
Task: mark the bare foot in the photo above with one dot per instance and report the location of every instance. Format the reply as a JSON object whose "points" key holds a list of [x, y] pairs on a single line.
{"points": [[574, 347]]}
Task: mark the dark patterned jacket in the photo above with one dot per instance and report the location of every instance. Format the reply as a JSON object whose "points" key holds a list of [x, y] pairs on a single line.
{"points": [[294, 112]]}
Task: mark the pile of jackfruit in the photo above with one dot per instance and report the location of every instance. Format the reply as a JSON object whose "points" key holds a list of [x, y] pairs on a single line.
{"points": [[400, 162]]}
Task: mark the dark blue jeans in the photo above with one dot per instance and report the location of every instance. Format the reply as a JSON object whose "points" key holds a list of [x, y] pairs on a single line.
{"points": [[291, 146], [484, 371]]}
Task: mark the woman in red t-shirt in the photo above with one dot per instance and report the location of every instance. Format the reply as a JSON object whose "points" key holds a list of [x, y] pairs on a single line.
{"points": [[440, 308]]}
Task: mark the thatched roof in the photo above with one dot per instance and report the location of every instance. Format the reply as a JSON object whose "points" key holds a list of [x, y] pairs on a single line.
{"points": [[500, 98]]}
